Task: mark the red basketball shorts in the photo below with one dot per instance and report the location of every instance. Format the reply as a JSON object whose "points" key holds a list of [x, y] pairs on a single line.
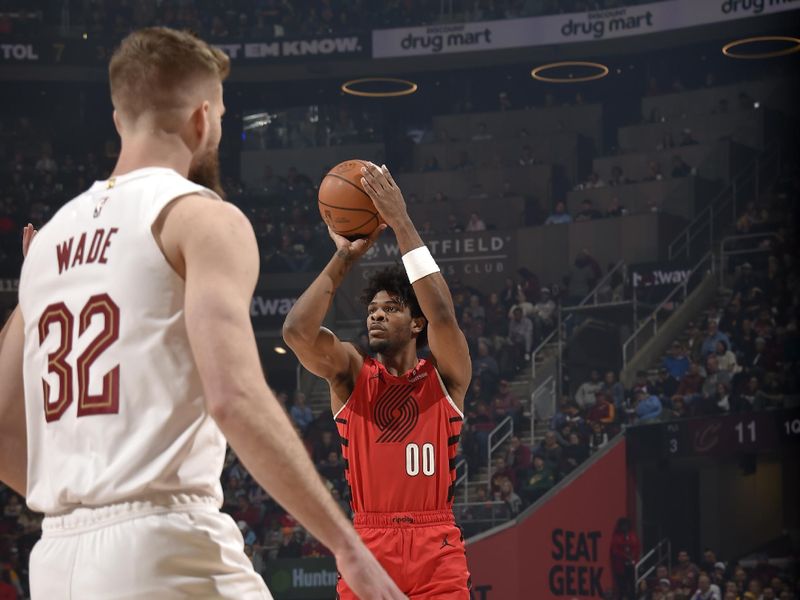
{"points": [[422, 551]]}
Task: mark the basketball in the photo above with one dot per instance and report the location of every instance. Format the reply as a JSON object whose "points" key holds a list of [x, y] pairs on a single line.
{"points": [[344, 205]]}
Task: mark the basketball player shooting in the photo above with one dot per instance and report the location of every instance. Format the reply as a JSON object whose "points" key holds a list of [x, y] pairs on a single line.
{"points": [[134, 345], [399, 417]]}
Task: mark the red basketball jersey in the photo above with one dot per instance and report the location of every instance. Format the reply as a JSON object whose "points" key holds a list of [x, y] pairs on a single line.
{"points": [[399, 440]]}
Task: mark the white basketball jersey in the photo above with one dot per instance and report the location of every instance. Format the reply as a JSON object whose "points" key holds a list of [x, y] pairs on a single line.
{"points": [[113, 399]]}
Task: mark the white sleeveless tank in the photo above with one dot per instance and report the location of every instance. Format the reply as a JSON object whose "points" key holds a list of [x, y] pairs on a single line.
{"points": [[113, 398]]}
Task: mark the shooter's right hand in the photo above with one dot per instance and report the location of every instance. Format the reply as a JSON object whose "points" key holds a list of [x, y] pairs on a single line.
{"points": [[352, 251]]}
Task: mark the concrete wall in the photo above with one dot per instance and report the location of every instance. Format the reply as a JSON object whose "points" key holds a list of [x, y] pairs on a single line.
{"points": [[706, 101], [584, 119], [483, 183], [501, 213], [313, 162], [714, 161], [554, 148], [743, 127], [677, 196]]}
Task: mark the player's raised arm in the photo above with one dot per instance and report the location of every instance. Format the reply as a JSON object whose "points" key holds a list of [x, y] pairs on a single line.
{"points": [[13, 435], [214, 245], [445, 338], [13, 439], [316, 347]]}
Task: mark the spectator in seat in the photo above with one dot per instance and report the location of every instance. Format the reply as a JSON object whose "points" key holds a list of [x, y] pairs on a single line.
{"points": [[510, 497], [677, 408], [507, 401], [502, 471], [527, 159], [559, 216], [687, 138], [585, 396], [549, 450], [539, 480], [589, 268], [680, 168], [291, 544], [709, 562], [653, 172], [726, 360], [475, 223], [615, 209], [617, 176], [324, 446], [685, 569], [713, 336], [603, 410], [300, 413], [676, 362], [692, 382], [614, 389], [665, 386], [648, 407], [464, 162], [574, 454], [519, 458], [714, 376], [332, 469], [587, 212], [544, 313], [482, 134], [520, 335], [625, 551], [598, 436], [706, 590], [486, 368], [246, 512]]}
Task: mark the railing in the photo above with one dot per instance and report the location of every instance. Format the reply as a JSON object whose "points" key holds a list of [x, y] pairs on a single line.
{"points": [[722, 211], [474, 517], [601, 285], [463, 479], [724, 253], [590, 299], [548, 386], [649, 327], [503, 431], [660, 554]]}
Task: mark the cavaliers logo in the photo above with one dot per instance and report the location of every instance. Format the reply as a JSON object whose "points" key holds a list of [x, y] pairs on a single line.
{"points": [[396, 413]]}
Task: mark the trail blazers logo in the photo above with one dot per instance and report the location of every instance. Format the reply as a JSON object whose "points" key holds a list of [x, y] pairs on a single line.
{"points": [[396, 413]]}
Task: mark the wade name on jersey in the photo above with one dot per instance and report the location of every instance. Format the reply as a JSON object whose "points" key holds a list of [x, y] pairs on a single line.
{"points": [[100, 242]]}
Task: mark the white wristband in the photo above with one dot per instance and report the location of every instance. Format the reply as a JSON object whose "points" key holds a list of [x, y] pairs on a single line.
{"points": [[419, 263]]}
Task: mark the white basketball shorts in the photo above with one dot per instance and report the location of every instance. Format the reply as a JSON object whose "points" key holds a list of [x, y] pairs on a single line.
{"points": [[180, 547]]}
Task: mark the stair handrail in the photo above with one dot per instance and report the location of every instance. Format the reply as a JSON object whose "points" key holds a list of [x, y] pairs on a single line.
{"points": [[663, 552], [506, 425], [620, 264], [652, 318], [548, 384], [683, 241], [585, 300], [724, 253], [462, 464]]}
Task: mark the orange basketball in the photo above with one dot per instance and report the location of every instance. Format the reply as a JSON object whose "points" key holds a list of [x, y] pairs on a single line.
{"points": [[344, 205]]}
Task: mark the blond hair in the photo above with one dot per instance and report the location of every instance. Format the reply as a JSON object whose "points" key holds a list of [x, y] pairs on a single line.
{"points": [[151, 67]]}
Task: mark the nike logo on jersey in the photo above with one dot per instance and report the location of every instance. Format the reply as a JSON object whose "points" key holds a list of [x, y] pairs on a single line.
{"points": [[99, 206]]}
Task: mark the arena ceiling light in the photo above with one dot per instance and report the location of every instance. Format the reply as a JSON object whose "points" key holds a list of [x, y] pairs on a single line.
{"points": [[601, 71], [361, 87], [791, 49]]}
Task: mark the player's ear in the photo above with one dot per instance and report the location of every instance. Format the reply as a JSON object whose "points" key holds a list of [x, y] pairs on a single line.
{"points": [[418, 324], [200, 124]]}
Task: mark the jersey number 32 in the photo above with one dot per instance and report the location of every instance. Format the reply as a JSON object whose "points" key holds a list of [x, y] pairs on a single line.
{"points": [[107, 401]]}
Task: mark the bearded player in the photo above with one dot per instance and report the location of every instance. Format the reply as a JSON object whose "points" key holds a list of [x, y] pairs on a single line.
{"points": [[133, 333], [399, 417]]}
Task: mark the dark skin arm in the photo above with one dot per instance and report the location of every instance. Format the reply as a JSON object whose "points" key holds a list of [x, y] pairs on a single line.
{"points": [[446, 340], [316, 347]]}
